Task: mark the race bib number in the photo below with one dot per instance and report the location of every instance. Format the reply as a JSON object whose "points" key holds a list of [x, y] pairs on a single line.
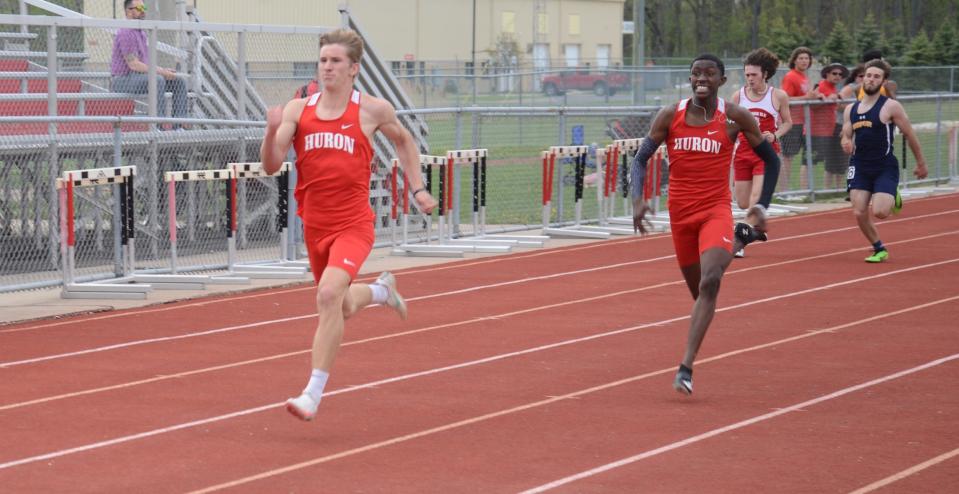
{"points": [[851, 174]]}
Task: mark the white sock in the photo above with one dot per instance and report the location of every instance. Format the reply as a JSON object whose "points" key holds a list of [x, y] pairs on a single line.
{"points": [[314, 388], [380, 293]]}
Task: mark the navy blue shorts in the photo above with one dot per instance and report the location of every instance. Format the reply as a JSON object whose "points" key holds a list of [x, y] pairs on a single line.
{"points": [[873, 176]]}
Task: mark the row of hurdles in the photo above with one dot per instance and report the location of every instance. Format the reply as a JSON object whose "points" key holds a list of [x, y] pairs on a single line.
{"points": [[611, 181]]}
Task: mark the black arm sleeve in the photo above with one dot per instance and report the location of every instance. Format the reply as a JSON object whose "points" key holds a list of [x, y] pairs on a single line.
{"points": [[637, 169], [765, 151]]}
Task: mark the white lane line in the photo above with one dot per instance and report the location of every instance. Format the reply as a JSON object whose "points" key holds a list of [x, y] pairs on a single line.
{"points": [[186, 425], [907, 472], [405, 333], [363, 279], [424, 297], [453, 266], [738, 425]]}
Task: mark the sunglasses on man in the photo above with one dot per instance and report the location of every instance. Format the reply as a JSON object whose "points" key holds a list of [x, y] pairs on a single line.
{"points": [[141, 8]]}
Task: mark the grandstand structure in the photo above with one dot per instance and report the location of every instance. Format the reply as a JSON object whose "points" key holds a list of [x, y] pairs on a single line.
{"points": [[57, 113]]}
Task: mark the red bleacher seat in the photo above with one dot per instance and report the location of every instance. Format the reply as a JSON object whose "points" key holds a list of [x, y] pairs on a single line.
{"points": [[14, 65], [39, 85]]}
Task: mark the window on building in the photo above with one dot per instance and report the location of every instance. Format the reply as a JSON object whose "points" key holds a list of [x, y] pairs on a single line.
{"points": [[571, 53], [508, 22], [602, 56], [574, 24]]}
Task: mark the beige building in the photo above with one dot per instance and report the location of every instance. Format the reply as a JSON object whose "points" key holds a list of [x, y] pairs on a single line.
{"points": [[536, 33]]}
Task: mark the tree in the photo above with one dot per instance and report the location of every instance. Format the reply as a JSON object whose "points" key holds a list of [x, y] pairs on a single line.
{"points": [[895, 47], [838, 46], [945, 46], [868, 36], [781, 40], [920, 51]]}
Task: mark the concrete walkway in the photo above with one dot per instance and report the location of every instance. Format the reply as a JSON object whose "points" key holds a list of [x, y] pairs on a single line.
{"points": [[40, 304]]}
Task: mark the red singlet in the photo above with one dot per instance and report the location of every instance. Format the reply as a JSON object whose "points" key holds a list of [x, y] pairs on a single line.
{"points": [[700, 214], [333, 168]]}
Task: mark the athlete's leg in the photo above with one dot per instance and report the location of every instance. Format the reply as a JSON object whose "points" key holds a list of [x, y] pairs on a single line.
{"points": [[743, 192], [882, 204], [884, 188], [691, 274], [860, 209], [713, 264], [756, 190], [330, 294]]}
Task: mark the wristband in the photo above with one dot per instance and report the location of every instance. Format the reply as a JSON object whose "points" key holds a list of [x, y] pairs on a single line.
{"points": [[417, 191]]}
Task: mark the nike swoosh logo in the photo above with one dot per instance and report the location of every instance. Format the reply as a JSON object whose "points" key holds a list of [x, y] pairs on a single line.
{"points": [[346, 126], [711, 132], [349, 262], [727, 240]]}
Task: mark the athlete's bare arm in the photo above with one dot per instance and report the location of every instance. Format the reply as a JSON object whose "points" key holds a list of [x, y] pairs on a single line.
{"points": [[897, 115], [744, 122], [846, 135], [280, 129], [658, 133], [378, 114], [781, 102]]}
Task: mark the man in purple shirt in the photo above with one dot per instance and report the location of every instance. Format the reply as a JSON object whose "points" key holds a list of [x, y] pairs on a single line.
{"points": [[130, 63]]}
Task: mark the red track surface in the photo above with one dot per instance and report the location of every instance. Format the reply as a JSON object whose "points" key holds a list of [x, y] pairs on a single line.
{"points": [[540, 370]]}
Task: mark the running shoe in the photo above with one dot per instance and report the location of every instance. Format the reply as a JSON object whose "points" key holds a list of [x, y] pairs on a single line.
{"points": [[897, 206], [684, 381], [747, 234], [393, 298], [880, 256], [741, 253], [302, 407]]}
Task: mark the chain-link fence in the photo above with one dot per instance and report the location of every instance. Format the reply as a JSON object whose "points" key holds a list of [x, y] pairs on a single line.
{"points": [[59, 111], [440, 85]]}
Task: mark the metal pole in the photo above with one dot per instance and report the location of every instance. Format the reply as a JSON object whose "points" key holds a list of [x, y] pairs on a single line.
{"points": [[152, 78], [53, 149], [938, 137], [639, 49], [117, 226], [241, 75], [473, 53], [558, 178], [810, 177]]}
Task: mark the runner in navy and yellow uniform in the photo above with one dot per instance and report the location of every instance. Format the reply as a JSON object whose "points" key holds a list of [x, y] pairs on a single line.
{"points": [[867, 134], [700, 133]]}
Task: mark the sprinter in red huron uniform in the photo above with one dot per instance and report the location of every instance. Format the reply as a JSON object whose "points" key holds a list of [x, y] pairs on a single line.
{"points": [[332, 131], [700, 133]]}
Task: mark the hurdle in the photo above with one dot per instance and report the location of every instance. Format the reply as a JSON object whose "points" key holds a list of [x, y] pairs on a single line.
{"points": [[606, 190], [405, 248], [625, 150], [121, 178], [244, 171], [172, 179], [477, 158], [578, 153], [238, 273]]}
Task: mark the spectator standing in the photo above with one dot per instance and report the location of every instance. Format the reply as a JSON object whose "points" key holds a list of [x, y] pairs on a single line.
{"points": [[825, 127], [796, 85]]}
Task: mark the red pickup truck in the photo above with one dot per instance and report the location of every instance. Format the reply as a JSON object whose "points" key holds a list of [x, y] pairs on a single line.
{"points": [[600, 83]]}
